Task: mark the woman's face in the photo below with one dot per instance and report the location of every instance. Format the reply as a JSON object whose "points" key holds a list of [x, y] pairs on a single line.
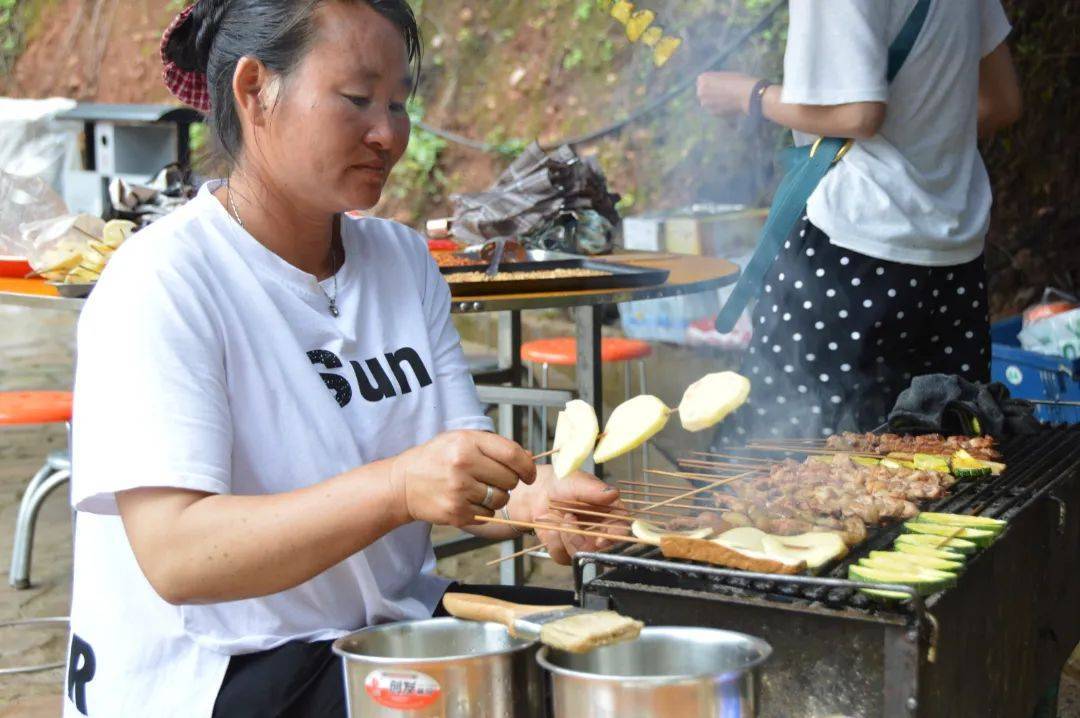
{"points": [[339, 124]]}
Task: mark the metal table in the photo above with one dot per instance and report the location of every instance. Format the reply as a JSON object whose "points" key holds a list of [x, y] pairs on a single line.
{"points": [[688, 275]]}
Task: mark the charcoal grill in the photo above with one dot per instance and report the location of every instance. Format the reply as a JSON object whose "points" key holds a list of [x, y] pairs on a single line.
{"points": [[991, 646]]}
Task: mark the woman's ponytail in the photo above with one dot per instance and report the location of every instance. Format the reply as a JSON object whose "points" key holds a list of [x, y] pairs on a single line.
{"points": [[190, 43]]}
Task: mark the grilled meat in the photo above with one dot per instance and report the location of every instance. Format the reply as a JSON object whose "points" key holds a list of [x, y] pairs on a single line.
{"points": [[838, 496], [981, 447]]}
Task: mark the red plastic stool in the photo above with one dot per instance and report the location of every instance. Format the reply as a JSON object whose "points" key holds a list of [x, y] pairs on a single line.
{"points": [[21, 408], [562, 351], [34, 407]]}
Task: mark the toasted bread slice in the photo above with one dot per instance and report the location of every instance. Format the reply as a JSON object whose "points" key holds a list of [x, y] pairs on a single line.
{"points": [[714, 553]]}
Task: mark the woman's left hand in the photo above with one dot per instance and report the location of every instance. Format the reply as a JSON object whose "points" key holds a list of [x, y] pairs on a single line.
{"points": [[725, 93], [534, 504]]}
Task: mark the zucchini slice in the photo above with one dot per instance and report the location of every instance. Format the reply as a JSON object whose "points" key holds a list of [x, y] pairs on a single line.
{"points": [[980, 537], [995, 467], [937, 542], [883, 594], [886, 558], [896, 464], [969, 468], [946, 554], [865, 460], [923, 580], [958, 520], [931, 462]]}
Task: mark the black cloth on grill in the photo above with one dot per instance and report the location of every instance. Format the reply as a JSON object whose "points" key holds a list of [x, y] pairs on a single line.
{"points": [[947, 404]]}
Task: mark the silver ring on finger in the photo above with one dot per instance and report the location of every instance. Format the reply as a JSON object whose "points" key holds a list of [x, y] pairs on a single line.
{"points": [[489, 494]]}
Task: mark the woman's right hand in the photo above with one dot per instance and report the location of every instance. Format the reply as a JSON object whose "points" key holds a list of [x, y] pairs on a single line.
{"points": [[445, 480]]}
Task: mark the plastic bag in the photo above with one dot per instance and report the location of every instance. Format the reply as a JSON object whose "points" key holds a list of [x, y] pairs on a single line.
{"points": [[1056, 335], [58, 245], [1054, 301], [24, 201]]}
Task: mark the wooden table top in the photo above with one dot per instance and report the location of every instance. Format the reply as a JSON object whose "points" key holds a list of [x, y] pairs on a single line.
{"points": [[689, 274]]}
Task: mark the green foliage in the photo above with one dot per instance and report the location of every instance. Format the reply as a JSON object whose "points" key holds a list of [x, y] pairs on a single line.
{"points": [[573, 58], [418, 180], [11, 34]]}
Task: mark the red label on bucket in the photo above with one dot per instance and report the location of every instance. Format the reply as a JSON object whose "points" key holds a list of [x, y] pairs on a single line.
{"points": [[402, 690]]}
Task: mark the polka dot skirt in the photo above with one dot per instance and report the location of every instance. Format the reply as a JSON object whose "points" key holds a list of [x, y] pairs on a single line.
{"points": [[838, 335]]}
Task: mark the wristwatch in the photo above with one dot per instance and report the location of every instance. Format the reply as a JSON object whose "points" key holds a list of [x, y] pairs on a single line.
{"points": [[756, 96]]}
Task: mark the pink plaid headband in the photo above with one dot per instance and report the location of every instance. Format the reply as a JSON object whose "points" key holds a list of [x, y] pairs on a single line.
{"points": [[187, 86]]}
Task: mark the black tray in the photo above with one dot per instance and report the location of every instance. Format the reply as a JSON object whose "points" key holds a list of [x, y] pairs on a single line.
{"points": [[618, 276]]}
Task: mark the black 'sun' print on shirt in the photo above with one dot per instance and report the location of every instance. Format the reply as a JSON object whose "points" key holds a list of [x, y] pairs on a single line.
{"points": [[371, 378]]}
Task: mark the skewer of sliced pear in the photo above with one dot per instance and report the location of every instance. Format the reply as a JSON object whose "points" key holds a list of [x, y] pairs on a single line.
{"points": [[630, 425], [576, 430], [710, 399], [705, 403]]}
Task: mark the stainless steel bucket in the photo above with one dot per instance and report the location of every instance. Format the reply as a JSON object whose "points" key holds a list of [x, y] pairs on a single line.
{"points": [[440, 667], [672, 671]]}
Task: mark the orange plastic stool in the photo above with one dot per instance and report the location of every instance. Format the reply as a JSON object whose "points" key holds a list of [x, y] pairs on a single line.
{"points": [[19, 408], [34, 407], [562, 351]]}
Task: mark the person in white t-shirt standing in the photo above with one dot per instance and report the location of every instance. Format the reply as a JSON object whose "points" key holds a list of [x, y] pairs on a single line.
{"points": [[271, 403], [883, 279]]}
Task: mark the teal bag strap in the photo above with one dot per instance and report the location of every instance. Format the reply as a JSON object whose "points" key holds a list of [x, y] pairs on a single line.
{"points": [[805, 168], [905, 40]]}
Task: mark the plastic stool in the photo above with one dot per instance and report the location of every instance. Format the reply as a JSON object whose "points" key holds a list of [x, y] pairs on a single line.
{"points": [[562, 351], [19, 409]]}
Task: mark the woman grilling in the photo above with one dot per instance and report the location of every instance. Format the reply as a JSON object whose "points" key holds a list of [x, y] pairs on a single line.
{"points": [[883, 277], [272, 407]]}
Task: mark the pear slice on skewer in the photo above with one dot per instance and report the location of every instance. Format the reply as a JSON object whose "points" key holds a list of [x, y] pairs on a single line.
{"points": [[630, 425], [576, 430], [653, 533], [711, 398]]}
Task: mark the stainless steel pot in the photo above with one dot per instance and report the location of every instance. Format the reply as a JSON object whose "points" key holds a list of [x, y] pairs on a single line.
{"points": [[440, 667], [673, 671]]}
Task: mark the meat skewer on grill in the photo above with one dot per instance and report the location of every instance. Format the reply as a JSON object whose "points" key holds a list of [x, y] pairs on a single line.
{"points": [[981, 447]]}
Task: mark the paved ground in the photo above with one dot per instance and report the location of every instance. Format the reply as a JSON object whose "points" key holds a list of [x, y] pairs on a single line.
{"points": [[36, 353]]}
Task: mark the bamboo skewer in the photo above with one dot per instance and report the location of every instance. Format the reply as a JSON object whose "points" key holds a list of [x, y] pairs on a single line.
{"points": [[554, 527], [950, 537], [711, 486], [728, 465], [571, 506], [661, 488], [660, 491], [688, 475], [693, 492], [574, 509], [730, 456], [813, 451], [539, 545], [690, 507], [545, 454], [584, 512]]}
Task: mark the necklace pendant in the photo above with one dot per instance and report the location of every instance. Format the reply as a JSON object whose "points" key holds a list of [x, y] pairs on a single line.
{"points": [[333, 308]]}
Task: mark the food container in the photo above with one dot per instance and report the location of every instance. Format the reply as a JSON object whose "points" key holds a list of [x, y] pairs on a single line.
{"points": [[14, 267], [440, 667], [667, 671]]}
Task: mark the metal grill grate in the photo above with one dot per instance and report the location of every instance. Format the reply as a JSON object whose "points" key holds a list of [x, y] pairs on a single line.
{"points": [[1035, 464]]}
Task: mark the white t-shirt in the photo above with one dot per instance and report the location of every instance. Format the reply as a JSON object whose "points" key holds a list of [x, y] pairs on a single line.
{"points": [[207, 362], [917, 192]]}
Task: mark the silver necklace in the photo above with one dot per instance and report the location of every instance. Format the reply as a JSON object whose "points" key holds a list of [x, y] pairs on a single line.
{"points": [[331, 300]]}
